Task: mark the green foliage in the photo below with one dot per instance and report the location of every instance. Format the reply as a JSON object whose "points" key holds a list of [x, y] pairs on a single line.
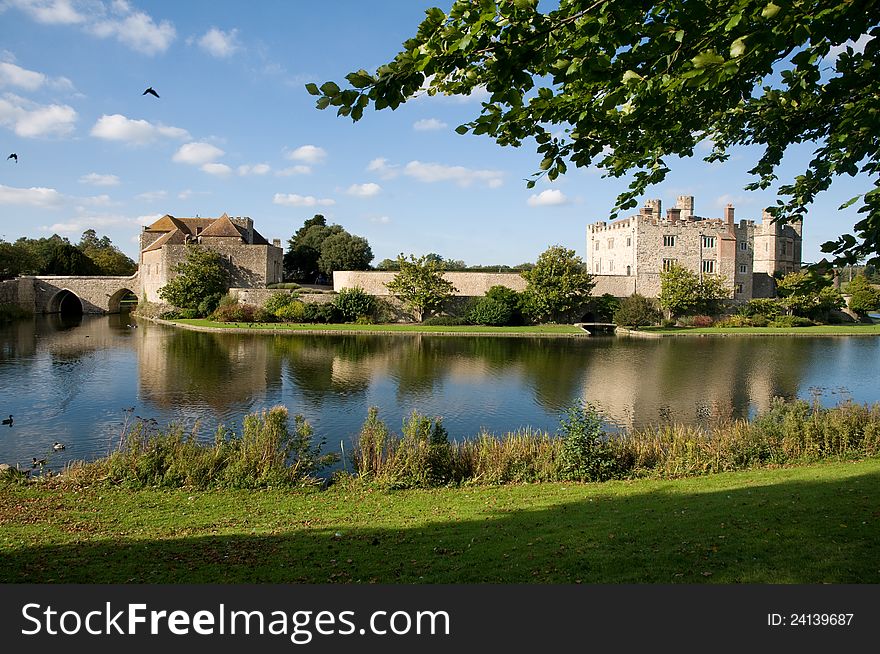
{"points": [[108, 258], [420, 285], [637, 311], [766, 307], [57, 256], [387, 264], [318, 248], [200, 281], [785, 322], [11, 312], [266, 454], [293, 312], [604, 307], [488, 311], [240, 313], [682, 291], [320, 313], [279, 301], [510, 299], [354, 303], [558, 287], [864, 298], [601, 84], [586, 454], [809, 295]]}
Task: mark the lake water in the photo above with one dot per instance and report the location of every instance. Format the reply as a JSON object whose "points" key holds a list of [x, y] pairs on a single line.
{"points": [[78, 381]]}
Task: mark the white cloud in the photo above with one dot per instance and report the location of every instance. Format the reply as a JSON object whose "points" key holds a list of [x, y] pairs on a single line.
{"points": [[367, 190], [197, 154], [310, 154], [149, 219], [382, 220], [91, 221], [294, 200], [28, 119], [12, 75], [383, 169], [50, 12], [218, 43], [549, 198], [117, 127], [96, 179], [857, 46], [102, 200], [38, 196], [218, 169], [434, 172], [184, 195], [256, 169], [137, 31], [429, 124], [299, 169], [151, 196], [723, 200], [134, 29]]}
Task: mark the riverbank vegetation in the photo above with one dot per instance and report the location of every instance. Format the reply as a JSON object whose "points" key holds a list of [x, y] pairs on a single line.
{"points": [[10, 312]]}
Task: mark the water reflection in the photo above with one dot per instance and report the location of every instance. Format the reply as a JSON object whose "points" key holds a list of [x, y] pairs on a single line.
{"points": [[66, 379]]}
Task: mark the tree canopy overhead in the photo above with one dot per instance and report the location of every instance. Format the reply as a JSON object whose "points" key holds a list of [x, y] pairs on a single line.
{"points": [[633, 83]]}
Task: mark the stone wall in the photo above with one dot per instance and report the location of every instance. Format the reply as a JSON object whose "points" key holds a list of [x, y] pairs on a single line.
{"points": [[259, 296], [467, 284], [9, 292]]}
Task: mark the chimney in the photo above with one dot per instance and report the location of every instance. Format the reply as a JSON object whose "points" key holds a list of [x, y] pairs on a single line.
{"points": [[276, 242], [674, 215], [655, 207], [686, 204], [728, 216]]}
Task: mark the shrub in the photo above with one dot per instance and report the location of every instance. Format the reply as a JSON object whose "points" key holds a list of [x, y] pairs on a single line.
{"points": [[785, 322], [488, 311], [734, 321], [238, 313], [767, 307], [293, 312], [759, 321], [510, 299], [445, 321], [864, 297], [320, 313], [636, 311], [278, 301], [354, 303], [586, 453], [702, 321]]}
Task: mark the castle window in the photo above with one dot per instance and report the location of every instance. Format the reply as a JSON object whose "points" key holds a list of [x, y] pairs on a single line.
{"points": [[610, 243], [597, 267], [669, 241], [708, 241], [743, 269], [597, 244], [743, 245], [628, 271], [783, 247], [611, 266], [708, 265], [628, 241], [668, 263], [738, 288]]}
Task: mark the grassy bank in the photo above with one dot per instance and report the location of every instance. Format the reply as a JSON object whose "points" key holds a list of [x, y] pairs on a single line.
{"points": [[530, 330], [811, 524], [813, 330]]}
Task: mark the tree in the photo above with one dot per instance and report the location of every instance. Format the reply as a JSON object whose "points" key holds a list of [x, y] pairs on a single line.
{"points": [[864, 298], [387, 264], [636, 311], [199, 283], [809, 294], [343, 251], [628, 85], [109, 259], [420, 285], [682, 292], [558, 287]]}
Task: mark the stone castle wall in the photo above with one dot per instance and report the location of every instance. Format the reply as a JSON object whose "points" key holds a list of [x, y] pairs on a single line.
{"points": [[467, 284]]}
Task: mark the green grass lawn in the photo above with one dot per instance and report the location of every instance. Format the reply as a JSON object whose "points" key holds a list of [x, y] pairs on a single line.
{"points": [[811, 524], [430, 329], [814, 329]]}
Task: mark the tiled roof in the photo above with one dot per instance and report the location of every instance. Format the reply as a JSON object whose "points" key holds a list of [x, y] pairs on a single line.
{"points": [[223, 227], [176, 237]]}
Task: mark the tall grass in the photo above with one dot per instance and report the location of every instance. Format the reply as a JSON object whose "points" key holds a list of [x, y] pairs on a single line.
{"points": [[267, 453], [788, 433]]}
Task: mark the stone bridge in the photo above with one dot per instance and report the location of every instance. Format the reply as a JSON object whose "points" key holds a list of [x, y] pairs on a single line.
{"points": [[63, 294]]}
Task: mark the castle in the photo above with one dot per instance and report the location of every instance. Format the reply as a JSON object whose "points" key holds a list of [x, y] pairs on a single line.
{"points": [[251, 260], [627, 256]]}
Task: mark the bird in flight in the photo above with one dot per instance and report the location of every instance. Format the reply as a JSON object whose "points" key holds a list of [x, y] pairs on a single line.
{"points": [[151, 92], [12, 156]]}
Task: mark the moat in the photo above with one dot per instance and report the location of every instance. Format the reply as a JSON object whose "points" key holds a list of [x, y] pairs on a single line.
{"points": [[79, 381]]}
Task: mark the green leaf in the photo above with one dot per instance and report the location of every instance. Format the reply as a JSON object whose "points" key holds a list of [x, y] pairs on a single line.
{"points": [[849, 203], [770, 10], [631, 76], [462, 129], [733, 22], [738, 48], [312, 88], [323, 103], [707, 58], [329, 88], [679, 35], [546, 163], [360, 79]]}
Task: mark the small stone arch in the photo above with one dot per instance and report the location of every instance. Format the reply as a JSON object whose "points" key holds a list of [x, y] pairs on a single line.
{"points": [[120, 298], [65, 302]]}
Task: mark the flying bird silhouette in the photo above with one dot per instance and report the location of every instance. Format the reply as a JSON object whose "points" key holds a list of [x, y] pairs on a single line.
{"points": [[12, 156], [151, 92]]}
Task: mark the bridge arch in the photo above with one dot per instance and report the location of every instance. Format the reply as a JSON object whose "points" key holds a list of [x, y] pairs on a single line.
{"points": [[122, 297], [65, 302]]}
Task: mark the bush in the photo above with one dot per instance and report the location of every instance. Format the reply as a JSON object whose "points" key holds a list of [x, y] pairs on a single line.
{"points": [[785, 322], [238, 313], [586, 453], [209, 304], [759, 321], [767, 307], [354, 303], [320, 313], [696, 321], [278, 301], [636, 311], [734, 321], [510, 299], [293, 312], [488, 311], [445, 321]]}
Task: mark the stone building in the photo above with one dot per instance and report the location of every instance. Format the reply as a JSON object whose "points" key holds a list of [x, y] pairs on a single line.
{"points": [[252, 261], [628, 255]]}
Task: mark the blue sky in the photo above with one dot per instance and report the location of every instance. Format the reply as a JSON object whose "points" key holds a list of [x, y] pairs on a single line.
{"points": [[235, 131]]}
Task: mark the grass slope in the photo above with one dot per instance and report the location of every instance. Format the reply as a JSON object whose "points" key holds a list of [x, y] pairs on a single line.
{"points": [[810, 524]]}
